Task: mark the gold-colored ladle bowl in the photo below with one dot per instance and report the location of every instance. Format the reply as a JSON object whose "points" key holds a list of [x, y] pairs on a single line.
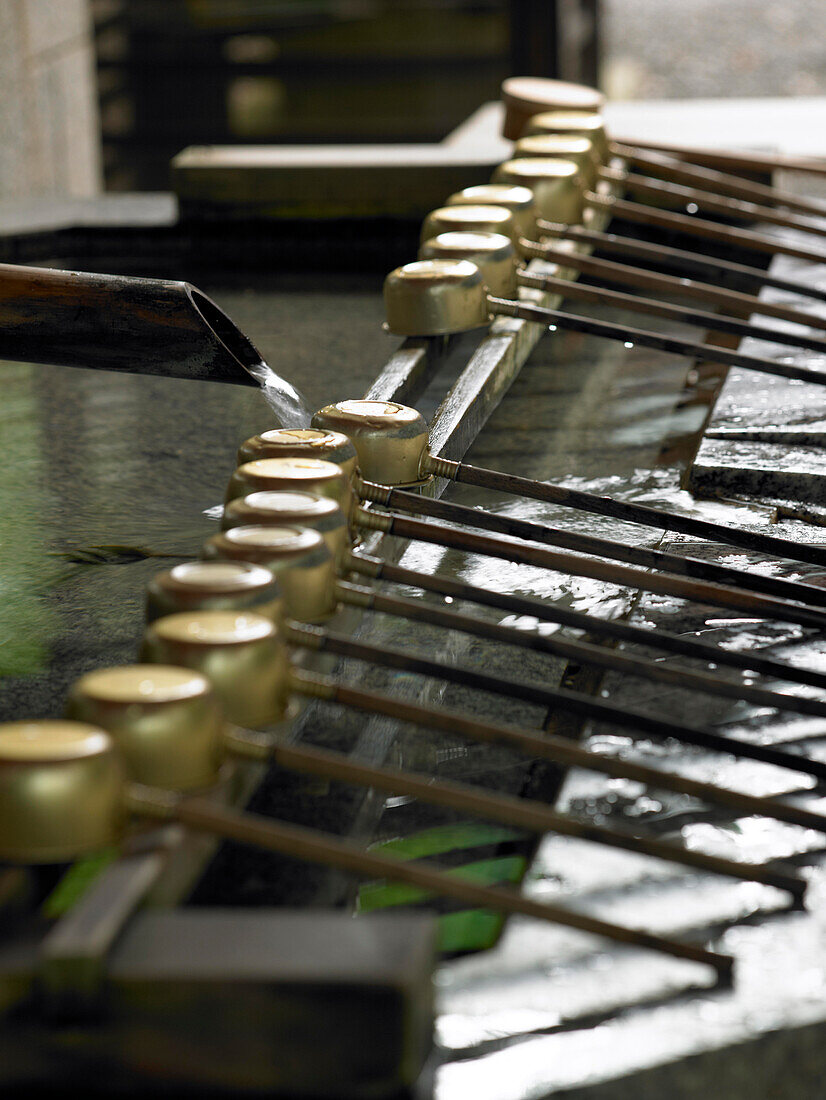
{"points": [[571, 124], [240, 654], [299, 557], [435, 298], [166, 720], [519, 200], [61, 791], [292, 508], [557, 185], [492, 253], [300, 443], [389, 438], [214, 586]]}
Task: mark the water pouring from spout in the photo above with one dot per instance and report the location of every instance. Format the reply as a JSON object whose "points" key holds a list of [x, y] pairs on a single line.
{"points": [[140, 326]]}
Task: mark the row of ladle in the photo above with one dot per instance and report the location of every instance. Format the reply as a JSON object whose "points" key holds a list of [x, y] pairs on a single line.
{"points": [[556, 184], [152, 739], [217, 680]]}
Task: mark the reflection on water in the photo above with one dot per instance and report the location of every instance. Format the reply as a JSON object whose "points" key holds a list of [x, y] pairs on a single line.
{"points": [[27, 571], [543, 1012]]}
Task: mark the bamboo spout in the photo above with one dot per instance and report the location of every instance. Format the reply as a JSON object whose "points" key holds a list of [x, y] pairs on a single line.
{"points": [[112, 322]]}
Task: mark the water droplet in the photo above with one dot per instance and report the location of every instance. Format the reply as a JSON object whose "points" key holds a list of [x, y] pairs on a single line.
{"points": [[692, 207]]}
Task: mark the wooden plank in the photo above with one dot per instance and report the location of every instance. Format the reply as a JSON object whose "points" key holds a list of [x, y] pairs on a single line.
{"points": [[325, 181], [73, 955], [407, 371]]}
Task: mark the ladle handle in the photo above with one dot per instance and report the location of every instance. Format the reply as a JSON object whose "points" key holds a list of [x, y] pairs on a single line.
{"points": [[523, 813], [661, 166], [298, 842], [558, 750], [698, 262], [646, 339], [117, 323], [700, 227], [578, 565], [732, 160], [705, 319], [592, 625], [709, 203]]}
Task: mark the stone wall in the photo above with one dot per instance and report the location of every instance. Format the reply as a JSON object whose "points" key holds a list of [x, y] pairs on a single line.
{"points": [[49, 131]]}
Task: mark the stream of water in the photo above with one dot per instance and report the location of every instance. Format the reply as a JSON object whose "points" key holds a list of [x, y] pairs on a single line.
{"points": [[288, 404]]}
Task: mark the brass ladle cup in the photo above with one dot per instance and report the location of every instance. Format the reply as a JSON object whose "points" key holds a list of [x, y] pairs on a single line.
{"points": [[396, 426], [162, 739], [166, 741]]}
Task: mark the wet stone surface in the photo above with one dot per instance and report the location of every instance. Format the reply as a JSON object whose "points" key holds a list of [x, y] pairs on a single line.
{"points": [[765, 436], [106, 460], [95, 459], [553, 1013]]}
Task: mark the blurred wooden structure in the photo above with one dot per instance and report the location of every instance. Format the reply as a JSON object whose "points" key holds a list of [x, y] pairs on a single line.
{"points": [[48, 124], [180, 72]]}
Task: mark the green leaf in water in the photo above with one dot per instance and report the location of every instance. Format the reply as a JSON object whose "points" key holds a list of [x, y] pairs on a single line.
{"points": [[469, 930], [76, 882], [446, 838], [487, 872]]}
